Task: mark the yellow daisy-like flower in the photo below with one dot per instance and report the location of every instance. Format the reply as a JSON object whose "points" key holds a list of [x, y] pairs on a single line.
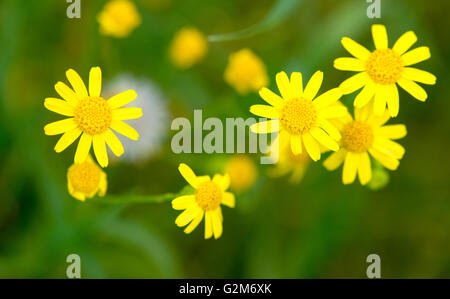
{"points": [[209, 194], [380, 71], [86, 180], [119, 18], [246, 72], [364, 135], [91, 116], [188, 47], [288, 163], [300, 118], [242, 171]]}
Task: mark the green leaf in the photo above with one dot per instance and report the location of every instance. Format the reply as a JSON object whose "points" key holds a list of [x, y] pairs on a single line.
{"points": [[281, 11], [136, 198]]}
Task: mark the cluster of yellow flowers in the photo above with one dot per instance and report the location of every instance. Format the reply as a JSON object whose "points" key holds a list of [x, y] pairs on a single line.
{"points": [[310, 123]]}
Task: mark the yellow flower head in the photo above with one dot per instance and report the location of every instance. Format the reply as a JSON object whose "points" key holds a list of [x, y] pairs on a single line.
{"points": [[246, 72], [301, 118], [242, 171], [86, 180], [91, 116], [379, 71], [118, 18], [209, 194], [364, 135], [188, 47], [287, 163]]}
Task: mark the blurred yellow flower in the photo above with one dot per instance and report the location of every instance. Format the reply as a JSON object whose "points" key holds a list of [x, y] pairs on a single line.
{"points": [[209, 194], [188, 47], [119, 18], [91, 116], [242, 171], [364, 135], [302, 121], [287, 163], [379, 71], [86, 180], [246, 72]]}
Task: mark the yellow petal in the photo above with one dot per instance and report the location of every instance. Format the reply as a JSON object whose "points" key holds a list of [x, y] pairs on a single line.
{"points": [[379, 103], [335, 159], [333, 112], [188, 215], [264, 127], [208, 225], [354, 83], [387, 161], [122, 99], [113, 142], [296, 144], [95, 82], [380, 37], [283, 85], [77, 83], [364, 169], [355, 49], [84, 145], [194, 223], [349, 64], [100, 150], [324, 139], [61, 126], [311, 146], [313, 86], [329, 128], [183, 202], [189, 175], [66, 93], [270, 97], [124, 129], [392, 100], [265, 111], [413, 89], [420, 76], [217, 223], [67, 139], [327, 98], [296, 84], [223, 181], [126, 113], [365, 95], [389, 147], [350, 167], [404, 42], [393, 131], [59, 106], [415, 56], [228, 199]]}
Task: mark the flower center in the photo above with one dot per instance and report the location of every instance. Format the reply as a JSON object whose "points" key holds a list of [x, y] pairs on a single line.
{"points": [[208, 196], [298, 116], [85, 177], [384, 66], [357, 137], [93, 115]]}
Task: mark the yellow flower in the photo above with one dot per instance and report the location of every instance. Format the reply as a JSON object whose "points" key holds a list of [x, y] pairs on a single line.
{"points": [[119, 18], [246, 72], [299, 119], [364, 135], [188, 47], [86, 180], [91, 116], [380, 71], [242, 171], [209, 194], [287, 163]]}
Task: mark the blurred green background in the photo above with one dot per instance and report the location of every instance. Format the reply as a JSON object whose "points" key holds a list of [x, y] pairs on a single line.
{"points": [[318, 228]]}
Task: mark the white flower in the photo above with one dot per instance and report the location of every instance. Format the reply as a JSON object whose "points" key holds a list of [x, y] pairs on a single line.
{"points": [[153, 126]]}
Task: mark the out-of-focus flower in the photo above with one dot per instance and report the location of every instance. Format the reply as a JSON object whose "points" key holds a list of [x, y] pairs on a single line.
{"points": [[242, 171], [300, 121], [91, 116], [379, 71], [86, 180], [246, 72], [188, 47], [209, 194], [153, 126], [119, 18], [365, 135], [287, 163]]}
